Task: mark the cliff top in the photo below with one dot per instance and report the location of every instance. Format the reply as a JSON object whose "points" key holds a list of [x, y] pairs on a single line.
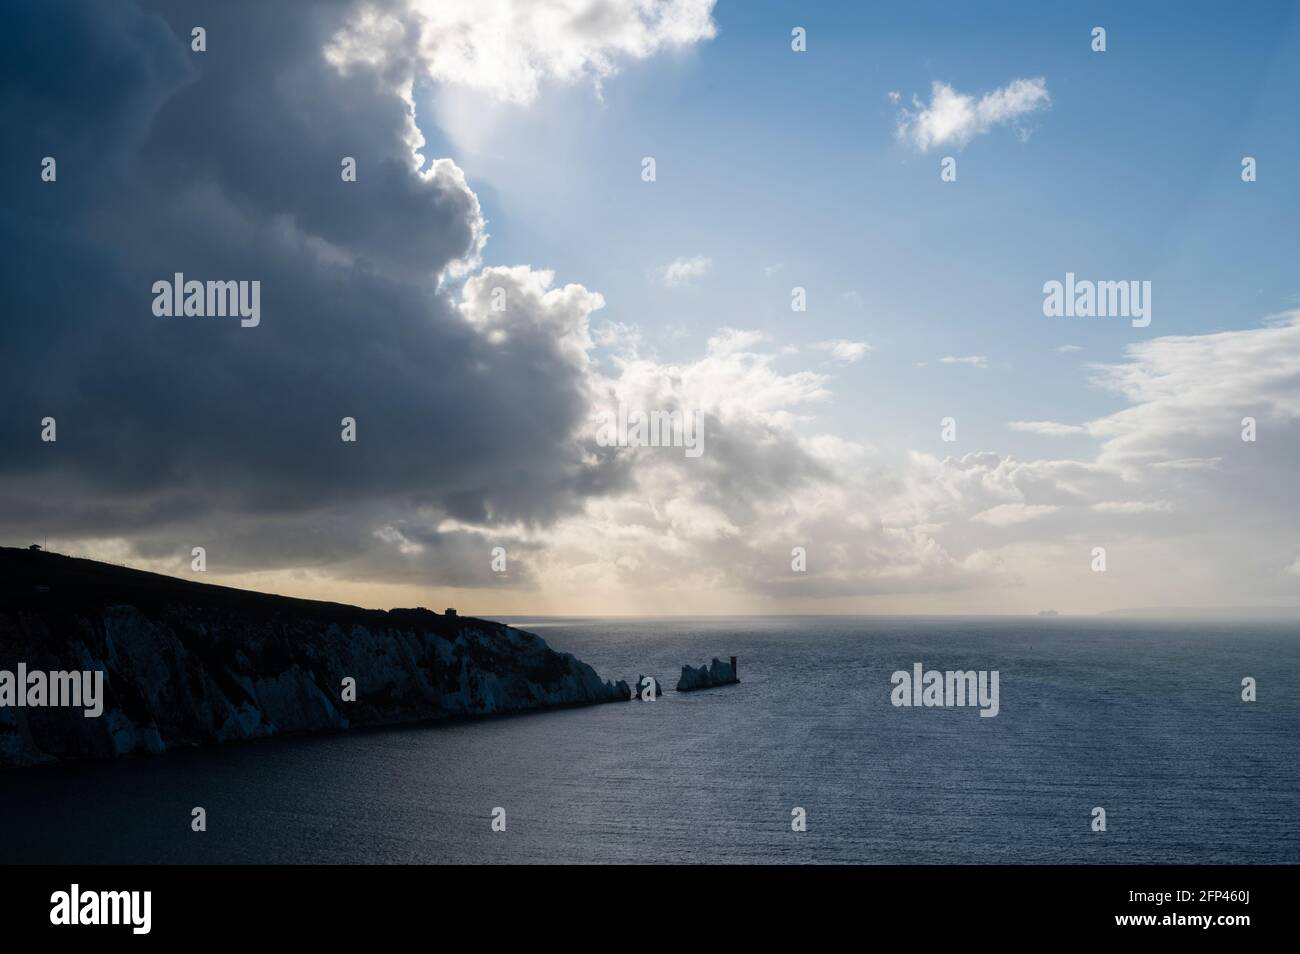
{"points": [[77, 582]]}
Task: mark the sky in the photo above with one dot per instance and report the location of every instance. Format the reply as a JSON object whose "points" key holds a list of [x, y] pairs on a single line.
{"points": [[503, 275]]}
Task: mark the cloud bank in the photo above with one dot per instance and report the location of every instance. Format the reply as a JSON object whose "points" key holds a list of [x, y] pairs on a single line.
{"points": [[476, 390]]}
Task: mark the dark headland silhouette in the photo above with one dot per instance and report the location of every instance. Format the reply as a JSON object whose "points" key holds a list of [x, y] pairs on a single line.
{"points": [[187, 664]]}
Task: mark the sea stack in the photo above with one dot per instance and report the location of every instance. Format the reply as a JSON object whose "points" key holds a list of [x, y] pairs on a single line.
{"points": [[717, 673], [641, 687]]}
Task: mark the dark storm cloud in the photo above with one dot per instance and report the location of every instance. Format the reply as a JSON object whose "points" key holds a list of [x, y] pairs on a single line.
{"points": [[225, 165]]}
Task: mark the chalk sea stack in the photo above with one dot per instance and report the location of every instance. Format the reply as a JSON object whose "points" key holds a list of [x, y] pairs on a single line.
{"points": [[640, 686], [716, 673], [188, 664]]}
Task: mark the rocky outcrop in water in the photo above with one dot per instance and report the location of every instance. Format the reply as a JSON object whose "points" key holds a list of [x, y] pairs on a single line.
{"points": [[640, 686], [188, 664], [716, 673]]}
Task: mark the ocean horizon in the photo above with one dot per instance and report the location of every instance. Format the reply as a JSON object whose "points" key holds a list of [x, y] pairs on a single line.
{"points": [[1142, 719]]}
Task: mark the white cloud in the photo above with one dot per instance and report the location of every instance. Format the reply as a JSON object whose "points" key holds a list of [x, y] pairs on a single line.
{"points": [[1008, 515], [1133, 506], [618, 336], [1188, 393], [392, 535], [734, 341], [507, 48], [844, 351], [953, 118], [1188, 463], [1047, 428], [1069, 349], [683, 270], [969, 531], [974, 360]]}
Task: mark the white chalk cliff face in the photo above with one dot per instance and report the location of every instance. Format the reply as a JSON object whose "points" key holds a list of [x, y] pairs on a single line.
{"points": [[187, 664]]}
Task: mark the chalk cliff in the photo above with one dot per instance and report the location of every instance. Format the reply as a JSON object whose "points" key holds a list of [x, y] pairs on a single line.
{"points": [[188, 664]]}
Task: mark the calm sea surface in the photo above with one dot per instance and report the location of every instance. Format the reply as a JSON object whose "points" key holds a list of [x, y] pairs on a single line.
{"points": [[1143, 719]]}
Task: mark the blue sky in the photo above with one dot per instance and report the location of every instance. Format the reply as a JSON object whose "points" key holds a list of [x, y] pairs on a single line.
{"points": [[769, 157]]}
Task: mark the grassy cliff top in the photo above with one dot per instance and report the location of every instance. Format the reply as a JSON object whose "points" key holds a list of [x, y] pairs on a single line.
{"points": [[39, 577]]}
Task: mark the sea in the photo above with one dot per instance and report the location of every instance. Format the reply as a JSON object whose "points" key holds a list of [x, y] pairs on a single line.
{"points": [[1144, 720]]}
